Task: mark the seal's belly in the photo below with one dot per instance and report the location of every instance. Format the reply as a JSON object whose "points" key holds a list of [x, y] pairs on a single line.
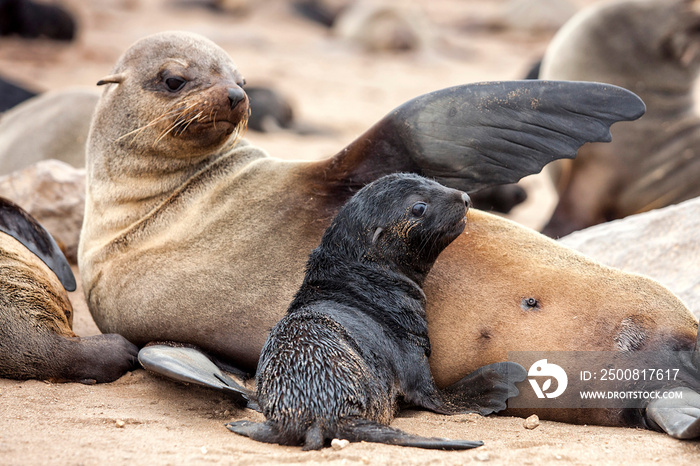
{"points": [[209, 280]]}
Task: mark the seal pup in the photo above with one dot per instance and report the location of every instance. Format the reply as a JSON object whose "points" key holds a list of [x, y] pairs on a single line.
{"points": [[36, 340], [191, 240], [355, 337], [651, 47]]}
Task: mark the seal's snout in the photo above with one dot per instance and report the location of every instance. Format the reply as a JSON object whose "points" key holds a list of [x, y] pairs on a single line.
{"points": [[235, 96], [467, 200]]}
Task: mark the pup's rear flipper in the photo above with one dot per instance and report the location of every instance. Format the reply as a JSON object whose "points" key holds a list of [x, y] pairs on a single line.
{"points": [[679, 416], [361, 430], [192, 366], [486, 390]]}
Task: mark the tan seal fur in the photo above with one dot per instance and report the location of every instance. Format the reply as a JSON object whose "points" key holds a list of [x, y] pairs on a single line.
{"points": [[651, 47], [49, 126], [36, 316], [477, 311], [208, 250]]}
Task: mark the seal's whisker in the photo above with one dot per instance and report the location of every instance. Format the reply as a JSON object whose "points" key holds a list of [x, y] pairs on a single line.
{"points": [[158, 119], [190, 121], [182, 119], [166, 132]]}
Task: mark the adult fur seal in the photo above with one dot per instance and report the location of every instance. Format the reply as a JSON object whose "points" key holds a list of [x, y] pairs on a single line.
{"points": [[521, 291], [53, 125], [355, 337], [182, 219], [36, 340], [651, 47], [206, 245]]}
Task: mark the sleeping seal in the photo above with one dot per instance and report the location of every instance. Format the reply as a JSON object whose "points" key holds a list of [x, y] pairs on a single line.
{"points": [[36, 340], [355, 337]]}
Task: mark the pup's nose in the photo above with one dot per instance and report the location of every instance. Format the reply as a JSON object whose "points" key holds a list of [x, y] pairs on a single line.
{"points": [[467, 201], [235, 96]]}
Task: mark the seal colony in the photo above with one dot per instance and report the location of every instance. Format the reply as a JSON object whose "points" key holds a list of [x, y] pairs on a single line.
{"points": [[36, 340], [651, 47], [355, 337], [193, 235]]}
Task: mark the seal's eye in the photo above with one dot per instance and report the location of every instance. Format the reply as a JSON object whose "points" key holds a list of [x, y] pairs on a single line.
{"points": [[174, 84], [419, 209]]}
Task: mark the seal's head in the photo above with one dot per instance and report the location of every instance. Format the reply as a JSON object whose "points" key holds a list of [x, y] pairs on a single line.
{"points": [[401, 221], [175, 94], [636, 44]]}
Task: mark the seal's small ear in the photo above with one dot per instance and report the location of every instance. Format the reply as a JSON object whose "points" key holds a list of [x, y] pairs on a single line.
{"points": [[112, 78], [377, 234]]}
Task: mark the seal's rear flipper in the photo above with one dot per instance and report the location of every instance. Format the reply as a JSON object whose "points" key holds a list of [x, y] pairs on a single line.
{"points": [[486, 390], [17, 223], [192, 366], [362, 430], [679, 416], [260, 431], [478, 135], [357, 430]]}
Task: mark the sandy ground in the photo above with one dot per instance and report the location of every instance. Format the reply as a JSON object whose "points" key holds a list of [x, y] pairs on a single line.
{"points": [[142, 419]]}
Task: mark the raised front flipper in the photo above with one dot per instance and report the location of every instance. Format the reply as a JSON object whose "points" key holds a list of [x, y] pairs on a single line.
{"points": [[192, 366], [478, 135], [17, 223], [486, 390], [678, 416]]}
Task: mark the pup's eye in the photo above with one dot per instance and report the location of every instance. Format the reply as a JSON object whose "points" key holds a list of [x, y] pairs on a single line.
{"points": [[174, 84], [419, 209]]}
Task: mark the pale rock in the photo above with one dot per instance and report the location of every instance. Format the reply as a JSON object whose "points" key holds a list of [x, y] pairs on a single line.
{"points": [[53, 192], [339, 444], [531, 422], [663, 244]]}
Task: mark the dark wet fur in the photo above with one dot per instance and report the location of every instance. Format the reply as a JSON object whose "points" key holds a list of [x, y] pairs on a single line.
{"points": [[355, 338]]}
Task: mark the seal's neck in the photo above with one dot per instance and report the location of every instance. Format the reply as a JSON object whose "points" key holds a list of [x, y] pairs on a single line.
{"points": [[123, 186]]}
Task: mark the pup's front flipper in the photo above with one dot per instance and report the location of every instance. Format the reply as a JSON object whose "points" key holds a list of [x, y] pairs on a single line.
{"points": [[486, 390], [192, 366], [679, 416]]}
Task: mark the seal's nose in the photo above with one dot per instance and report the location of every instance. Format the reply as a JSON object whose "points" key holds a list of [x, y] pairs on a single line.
{"points": [[467, 201], [235, 96]]}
